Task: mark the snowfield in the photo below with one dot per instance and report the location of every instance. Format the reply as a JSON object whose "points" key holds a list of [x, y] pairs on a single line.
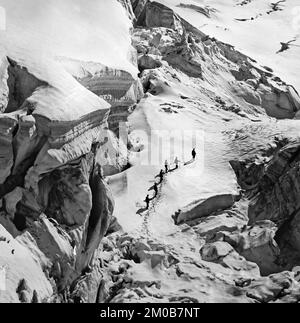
{"points": [[258, 38]]}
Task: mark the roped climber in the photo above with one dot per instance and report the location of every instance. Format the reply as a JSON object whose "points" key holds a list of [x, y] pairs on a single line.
{"points": [[194, 154], [147, 201], [155, 187], [167, 166], [161, 176], [176, 161]]}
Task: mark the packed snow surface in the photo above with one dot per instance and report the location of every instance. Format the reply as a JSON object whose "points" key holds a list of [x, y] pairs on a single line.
{"points": [[252, 28], [88, 30]]}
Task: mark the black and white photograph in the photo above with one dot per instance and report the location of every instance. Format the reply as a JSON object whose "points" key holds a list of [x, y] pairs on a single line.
{"points": [[149, 154]]}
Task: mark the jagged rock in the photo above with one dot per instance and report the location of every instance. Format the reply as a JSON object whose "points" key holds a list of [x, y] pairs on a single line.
{"points": [[148, 62], [98, 222], [216, 251], [22, 266], [138, 7], [69, 199], [257, 245], [53, 241], [87, 288], [51, 133], [114, 226], [8, 125], [4, 90], [205, 208], [277, 200], [208, 227], [28, 241], [280, 102], [274, 287], [274, 192], [154, 14], [185, 56], [224, 254], [127, 4], [119, 88]]}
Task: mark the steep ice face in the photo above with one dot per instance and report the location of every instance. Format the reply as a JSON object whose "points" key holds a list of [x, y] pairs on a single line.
{"points": [[247, 25], [91, 30]]}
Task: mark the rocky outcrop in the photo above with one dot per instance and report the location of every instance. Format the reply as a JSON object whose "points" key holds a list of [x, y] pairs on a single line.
{"points": [[281, 102], [205, 208], [119, 88], [256, 244], [127, 4], [224, 254], [153, 14], [148, 62], [19, 265], [50, 191], [273, 191], [277, 200]]}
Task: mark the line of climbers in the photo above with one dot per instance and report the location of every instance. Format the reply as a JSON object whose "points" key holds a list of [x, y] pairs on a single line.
{"points": [[162, 174]]}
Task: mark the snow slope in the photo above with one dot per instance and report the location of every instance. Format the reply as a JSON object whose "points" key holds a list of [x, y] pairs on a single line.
{"points": [[71, 28], [258, 38], [177, 102]]}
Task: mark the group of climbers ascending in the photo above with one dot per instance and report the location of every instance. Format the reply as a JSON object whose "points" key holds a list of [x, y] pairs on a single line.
{"points": [[161, 177]]}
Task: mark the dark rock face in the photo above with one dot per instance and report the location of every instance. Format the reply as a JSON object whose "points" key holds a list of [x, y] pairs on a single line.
{"points": [[127, 4], [69, 199], [279, 188], [158, 15], [257, 244], [21, 85], [53, 200], [147, 62], [275, 195]]}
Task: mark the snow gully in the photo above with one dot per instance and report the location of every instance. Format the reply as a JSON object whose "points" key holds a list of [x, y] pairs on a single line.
{"points": [[118, 314]]}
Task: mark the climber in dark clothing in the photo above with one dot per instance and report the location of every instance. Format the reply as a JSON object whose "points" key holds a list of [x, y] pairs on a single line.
{"points": [[167, 166], [147, 201], [161, 176], [176, 163], [194, 154], [155, 187]]}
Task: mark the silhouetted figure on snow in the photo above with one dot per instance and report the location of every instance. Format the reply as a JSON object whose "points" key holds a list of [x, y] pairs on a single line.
{"points": [[147, 201], [286, 46], [167, 166], [155, 187], [176, 161], [161, 176], [194, 154]]}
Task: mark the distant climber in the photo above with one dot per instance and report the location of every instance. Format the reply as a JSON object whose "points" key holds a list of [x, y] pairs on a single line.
{"points": [[286, 46], [155, 187], [167, 166], [194, 154], [147, 201], [176, 161], [161, 176]]}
